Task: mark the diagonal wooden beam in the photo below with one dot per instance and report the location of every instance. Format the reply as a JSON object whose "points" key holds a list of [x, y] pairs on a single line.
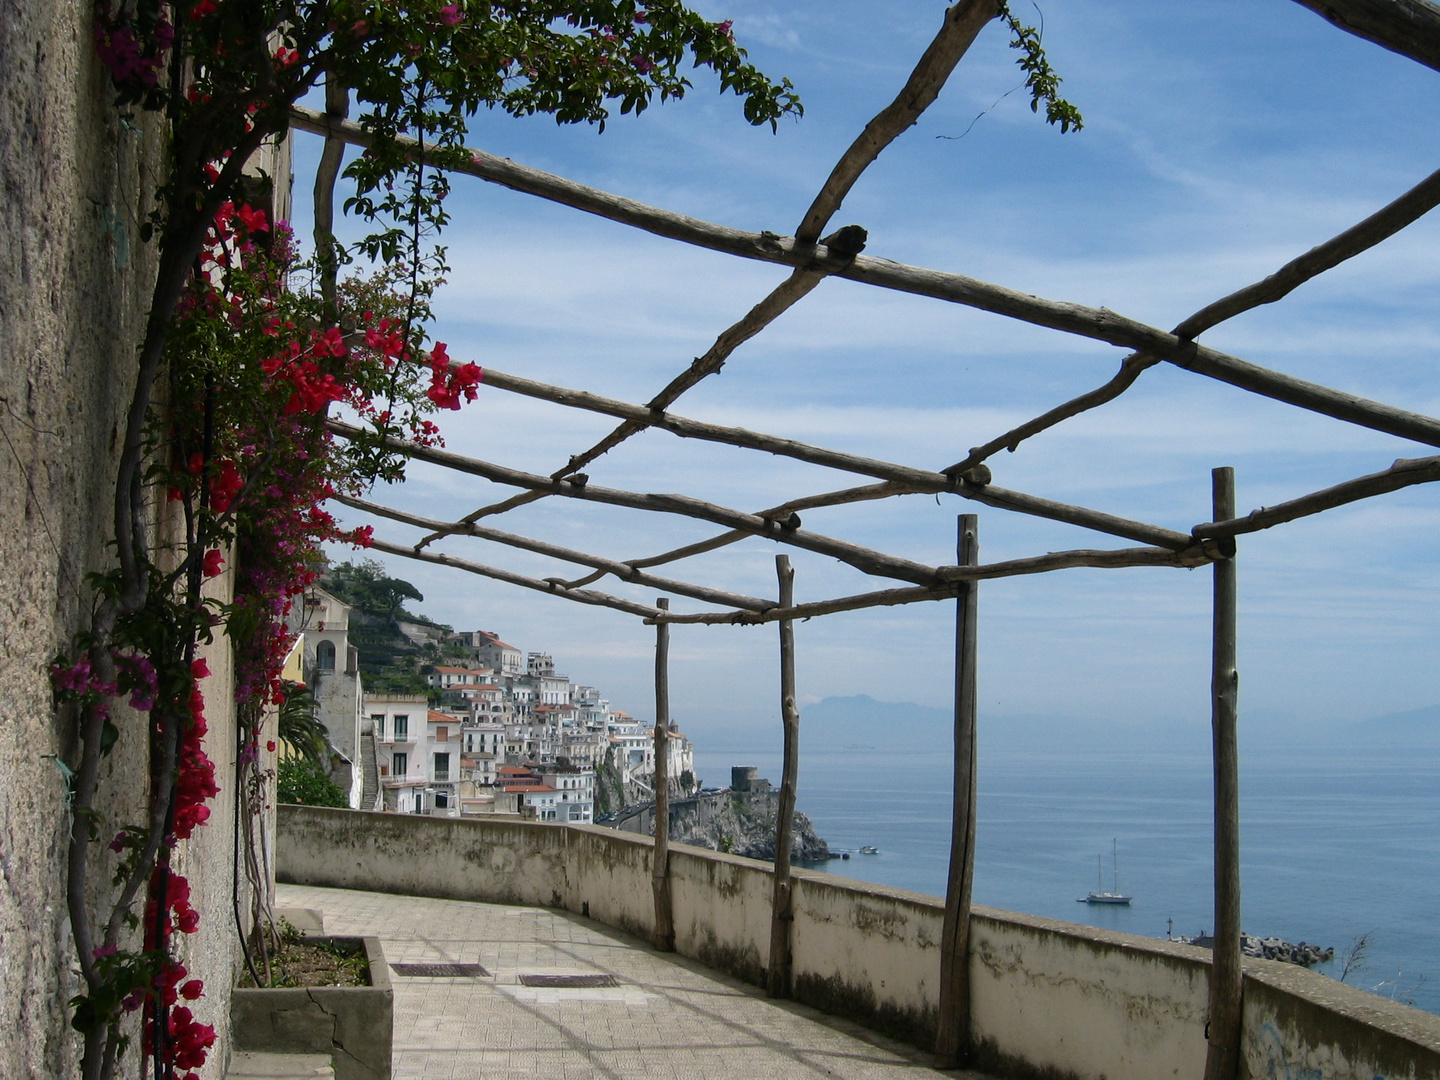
{"points": [[1404, 473], [961, 25], [1379, 226], [1408, 27], [606, 566], [782, 512], [862, 558], [919, 480], [1199, 555], [554, 588]]}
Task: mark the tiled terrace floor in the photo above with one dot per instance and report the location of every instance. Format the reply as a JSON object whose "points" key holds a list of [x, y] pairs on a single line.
{"points": [[668, 1018]]}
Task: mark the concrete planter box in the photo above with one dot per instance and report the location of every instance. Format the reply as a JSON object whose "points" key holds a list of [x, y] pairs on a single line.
{"points": [[350, 1024]]}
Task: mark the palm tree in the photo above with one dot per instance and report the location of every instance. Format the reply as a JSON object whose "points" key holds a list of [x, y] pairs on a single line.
{"points": [[300, 727]]}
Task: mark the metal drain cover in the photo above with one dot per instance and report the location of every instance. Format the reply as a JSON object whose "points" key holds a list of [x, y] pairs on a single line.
{"points": [[440, 971], [567, 981]]}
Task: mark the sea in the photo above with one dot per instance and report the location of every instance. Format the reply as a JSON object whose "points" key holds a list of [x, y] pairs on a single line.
{"points": [[1339, 848]]}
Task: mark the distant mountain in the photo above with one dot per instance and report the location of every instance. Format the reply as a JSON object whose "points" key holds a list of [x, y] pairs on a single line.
{"points": [[1418, 727], [839, 723]]}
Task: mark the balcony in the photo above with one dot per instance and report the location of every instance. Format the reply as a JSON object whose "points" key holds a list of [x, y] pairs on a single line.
{"points": [[1047, 997]]}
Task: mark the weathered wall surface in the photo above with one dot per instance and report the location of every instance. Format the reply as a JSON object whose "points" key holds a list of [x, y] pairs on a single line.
{"points": [[72, 283], [1051, 1000], [74, 287]]}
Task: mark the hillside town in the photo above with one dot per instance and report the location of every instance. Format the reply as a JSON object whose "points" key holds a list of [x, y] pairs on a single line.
{"points": [[497, 731]]}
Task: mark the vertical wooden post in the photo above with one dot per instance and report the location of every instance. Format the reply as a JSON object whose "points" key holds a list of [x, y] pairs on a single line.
{"points": [[952, 1038], [782, 909], [660, 857], [1222, 1055]]}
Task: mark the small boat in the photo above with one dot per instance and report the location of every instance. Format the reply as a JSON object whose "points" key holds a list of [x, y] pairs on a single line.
{"points": [[1100, 896], [869, 849]]}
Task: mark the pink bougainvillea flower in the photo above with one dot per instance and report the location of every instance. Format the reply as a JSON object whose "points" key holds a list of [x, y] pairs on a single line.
{"points": [[214, 562], [253, 220], [451, 14]]}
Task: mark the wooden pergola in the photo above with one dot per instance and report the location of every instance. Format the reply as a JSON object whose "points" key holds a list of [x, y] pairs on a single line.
{"points": [[813, 256]]}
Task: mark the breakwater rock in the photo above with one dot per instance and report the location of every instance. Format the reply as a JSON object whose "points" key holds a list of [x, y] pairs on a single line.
{"points": [[1271, 948], [739, 819]]}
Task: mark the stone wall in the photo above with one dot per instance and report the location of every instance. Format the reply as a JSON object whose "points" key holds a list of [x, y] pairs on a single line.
{"points": [[74, 288], [1052, 1000]]}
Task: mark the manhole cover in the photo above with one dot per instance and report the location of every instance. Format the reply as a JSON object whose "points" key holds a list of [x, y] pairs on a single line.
{"points": [[440, 971], [567, 981]]}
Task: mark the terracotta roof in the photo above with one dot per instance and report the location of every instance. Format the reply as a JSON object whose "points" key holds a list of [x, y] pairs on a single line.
{"points": [[441, 718], [495, 640]]}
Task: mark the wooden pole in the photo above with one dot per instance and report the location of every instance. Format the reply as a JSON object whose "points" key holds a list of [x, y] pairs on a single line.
{"points": [[660, 863], [952, 1039], [1222, 1056], [782, 909]]}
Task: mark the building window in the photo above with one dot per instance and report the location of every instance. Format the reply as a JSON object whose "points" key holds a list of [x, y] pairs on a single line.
{"points": [[402, 728], [442, 767], [402, 764], [325, 656], [378, 721], [442, 734]]}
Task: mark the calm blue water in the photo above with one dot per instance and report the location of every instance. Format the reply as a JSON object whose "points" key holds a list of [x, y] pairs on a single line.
{"points": [[1334, 844]]}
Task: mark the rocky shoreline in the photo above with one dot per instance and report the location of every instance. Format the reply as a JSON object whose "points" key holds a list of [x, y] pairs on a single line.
{"points": [[1271, 948], [742, 829]]}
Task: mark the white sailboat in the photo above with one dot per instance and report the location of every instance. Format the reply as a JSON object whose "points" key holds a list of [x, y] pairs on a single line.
{"points": [[1100, 896]]}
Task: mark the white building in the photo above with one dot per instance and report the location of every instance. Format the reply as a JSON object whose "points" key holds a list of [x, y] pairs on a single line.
{"points": [[398, 722], [449, 678], [487, 650], [574, 792]]}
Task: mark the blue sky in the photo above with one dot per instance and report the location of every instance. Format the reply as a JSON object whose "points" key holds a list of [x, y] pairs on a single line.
{"points": [[1221, 139]]}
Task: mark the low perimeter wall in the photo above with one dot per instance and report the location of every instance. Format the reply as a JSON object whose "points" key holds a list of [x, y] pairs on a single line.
{"points": [[1050, 999]]}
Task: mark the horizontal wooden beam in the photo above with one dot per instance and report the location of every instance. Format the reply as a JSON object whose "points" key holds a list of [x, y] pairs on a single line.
{"points": [[1099, 324], [1197, 555], [863, 559], [624, 571], [916, 480], [1406, 472]]}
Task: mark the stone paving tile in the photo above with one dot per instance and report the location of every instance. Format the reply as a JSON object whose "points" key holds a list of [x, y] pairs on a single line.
{"points": [[670, 1019]]}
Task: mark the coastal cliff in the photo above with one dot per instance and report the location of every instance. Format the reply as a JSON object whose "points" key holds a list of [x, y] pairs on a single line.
{"points": [[740, 825]]}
